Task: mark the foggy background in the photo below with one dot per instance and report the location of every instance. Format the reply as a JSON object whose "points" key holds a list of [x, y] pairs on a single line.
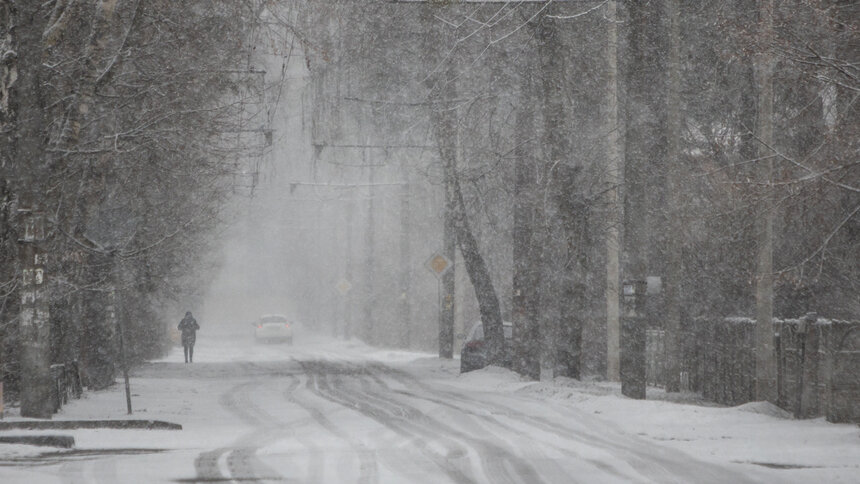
{"points": [[292, 241]]}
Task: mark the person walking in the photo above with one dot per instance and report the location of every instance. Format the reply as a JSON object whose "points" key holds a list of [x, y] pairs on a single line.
{"points": [[189, 328]]}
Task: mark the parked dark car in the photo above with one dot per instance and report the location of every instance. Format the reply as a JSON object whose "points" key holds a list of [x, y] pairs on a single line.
{"points": [[473, 356]]}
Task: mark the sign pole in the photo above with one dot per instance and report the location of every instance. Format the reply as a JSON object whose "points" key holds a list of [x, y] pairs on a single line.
{"points": [[441, 266]]}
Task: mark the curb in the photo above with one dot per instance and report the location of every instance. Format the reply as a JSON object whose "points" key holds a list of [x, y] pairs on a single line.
{"points": [[89, 424], [64, 441]]}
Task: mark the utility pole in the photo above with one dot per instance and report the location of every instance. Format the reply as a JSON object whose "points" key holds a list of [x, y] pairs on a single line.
{"points": [[348, 298], [318, 281], [447, 139], [614, 174], [765, 356], [369, 261], [405, 258], [444, 120]]}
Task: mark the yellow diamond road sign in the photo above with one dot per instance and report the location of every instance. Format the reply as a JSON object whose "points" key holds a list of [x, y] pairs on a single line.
{"points": [[438, 264]]}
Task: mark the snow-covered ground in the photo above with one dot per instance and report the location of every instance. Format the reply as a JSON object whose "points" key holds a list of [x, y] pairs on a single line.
{"points": [[334, 411]]}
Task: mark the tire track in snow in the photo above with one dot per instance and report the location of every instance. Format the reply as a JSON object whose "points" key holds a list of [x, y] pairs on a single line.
{"points": [[492, 425], [499, 465], [242, 461], [594, 436], [368, 467], [316, 458], [406, 463], [400, 456], [418, 437], [652, 461]]}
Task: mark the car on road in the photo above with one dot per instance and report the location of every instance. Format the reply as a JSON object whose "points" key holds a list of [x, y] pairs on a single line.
{"points": [[473, 356], [273, 327]]}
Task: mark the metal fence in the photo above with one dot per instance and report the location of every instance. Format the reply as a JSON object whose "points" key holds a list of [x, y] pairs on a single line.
{"points": [[66, 384], [655, 358], [844, 396], [818, 364]]}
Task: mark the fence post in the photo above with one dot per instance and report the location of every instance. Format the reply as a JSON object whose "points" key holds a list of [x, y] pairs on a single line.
{"points": [[802, 327], [56, 393], [780, 361], [845, 375], [825, 367], [77, 386], [809, 394], [749, 362]]}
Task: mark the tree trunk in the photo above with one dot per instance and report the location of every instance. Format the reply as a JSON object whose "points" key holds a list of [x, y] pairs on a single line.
{"points": [[479, 275], [557, 319], [96, 359], [29, 155], [644, 138], [443, 121], [526, 265]]}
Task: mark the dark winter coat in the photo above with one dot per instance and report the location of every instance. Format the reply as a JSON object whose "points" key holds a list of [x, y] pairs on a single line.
{"points": [[189, 328]]}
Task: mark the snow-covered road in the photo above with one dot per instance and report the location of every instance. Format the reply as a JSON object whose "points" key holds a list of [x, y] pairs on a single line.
{"points": [[327, 411]]}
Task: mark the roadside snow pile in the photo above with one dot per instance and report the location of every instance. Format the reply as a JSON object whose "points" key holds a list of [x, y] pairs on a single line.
{"points": [[494, 370], [550, 391], [764, 408], [562, 388], [434, 367], [491, 374], [493, 378], [395, 356]]}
